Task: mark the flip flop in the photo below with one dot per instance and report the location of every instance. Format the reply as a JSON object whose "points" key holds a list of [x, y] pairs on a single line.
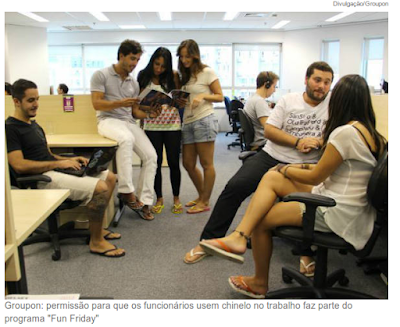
{"points": [[134, 205], [194, 210], [177, 209], [157, 208], [104, 254], [142, 215], [201, 255], [190, 204], [306, 267], [223, 251], [108, 236], [243, 288]]}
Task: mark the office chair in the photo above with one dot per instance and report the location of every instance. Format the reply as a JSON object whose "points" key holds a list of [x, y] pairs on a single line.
{"points": [[234, 120], [246, 134], [321, 286], [54, 232]]}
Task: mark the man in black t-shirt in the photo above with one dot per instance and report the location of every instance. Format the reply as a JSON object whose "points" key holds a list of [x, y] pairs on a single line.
{"points": [[28, 153]]}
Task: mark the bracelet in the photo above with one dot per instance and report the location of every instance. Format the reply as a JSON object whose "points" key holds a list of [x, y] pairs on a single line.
{"points": [[285, 171], [297, 142]]}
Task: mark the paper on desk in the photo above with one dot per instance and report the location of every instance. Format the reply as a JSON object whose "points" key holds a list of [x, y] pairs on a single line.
{"points": [[43, 297]]}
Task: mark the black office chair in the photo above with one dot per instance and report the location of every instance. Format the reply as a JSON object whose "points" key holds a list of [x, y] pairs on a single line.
{"points": [[246, 134], [321, 286], [54, 233], [234, 120]]}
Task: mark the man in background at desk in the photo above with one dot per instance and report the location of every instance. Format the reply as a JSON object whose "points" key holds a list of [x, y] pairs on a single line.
{"points": [[114, 97], [294, 133], [257, 108], [29, 154]]}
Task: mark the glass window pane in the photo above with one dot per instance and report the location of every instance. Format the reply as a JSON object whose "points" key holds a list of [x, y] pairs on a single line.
{"points": [[250, 60], [219, 58], [375, 49], [65, 66], [98, 57], [373, 61]]}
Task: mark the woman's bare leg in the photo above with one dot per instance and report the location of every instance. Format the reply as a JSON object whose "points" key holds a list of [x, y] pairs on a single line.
{"points": [[189, 160], [272, 186]]}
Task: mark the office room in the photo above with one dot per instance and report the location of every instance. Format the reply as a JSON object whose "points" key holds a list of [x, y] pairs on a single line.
{"points": [[157, 259]]}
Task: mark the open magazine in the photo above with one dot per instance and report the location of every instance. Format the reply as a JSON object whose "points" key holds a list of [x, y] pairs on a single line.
{"points": [[149, 97]]}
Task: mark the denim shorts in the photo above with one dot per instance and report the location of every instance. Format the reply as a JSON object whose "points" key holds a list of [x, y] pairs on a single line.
{"points": [[202, 130]]}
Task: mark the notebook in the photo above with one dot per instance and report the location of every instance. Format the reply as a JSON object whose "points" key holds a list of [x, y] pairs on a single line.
{"points": [[99, 161]]}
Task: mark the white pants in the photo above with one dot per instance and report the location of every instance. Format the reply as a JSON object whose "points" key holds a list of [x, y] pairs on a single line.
{"points": [[131, 137]]}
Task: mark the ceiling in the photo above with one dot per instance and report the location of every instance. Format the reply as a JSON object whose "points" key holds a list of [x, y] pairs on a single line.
{"points": [[84, 21]]}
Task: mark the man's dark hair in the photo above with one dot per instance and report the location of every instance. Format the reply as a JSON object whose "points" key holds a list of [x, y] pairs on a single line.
{"points": [[129, 46], [320, 65], [8, 88], [64, 88], [20, 86]]}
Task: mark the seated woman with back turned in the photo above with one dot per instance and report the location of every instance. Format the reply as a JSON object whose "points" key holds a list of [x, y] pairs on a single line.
{"points": [[352, 147]]}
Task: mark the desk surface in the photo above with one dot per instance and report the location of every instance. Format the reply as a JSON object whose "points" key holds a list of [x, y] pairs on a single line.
{"points": [[78, 140], [32, 207]]}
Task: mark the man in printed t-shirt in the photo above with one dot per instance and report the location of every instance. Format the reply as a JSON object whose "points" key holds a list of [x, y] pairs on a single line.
{"points": [[294, 133]]}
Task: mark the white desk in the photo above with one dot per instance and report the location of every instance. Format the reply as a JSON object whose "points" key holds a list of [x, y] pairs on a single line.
{"points": [[30, 209], [78, 141]]}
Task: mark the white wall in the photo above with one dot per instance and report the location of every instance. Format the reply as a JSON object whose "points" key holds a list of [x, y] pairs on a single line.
{"points": [[26, 55], [300, 48]]}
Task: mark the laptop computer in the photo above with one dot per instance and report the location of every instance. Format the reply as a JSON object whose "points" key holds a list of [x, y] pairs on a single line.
{"points": [[99, 161]]}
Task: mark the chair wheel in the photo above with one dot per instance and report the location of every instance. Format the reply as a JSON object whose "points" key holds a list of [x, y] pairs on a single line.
{"points": [[344, 281], [286, 279], [56, 256]]}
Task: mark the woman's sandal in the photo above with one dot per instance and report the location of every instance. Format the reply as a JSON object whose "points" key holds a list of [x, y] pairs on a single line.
{"points": [[306, 268], [177, 209], [157, 208], [134, 205], [190, 204], [239, 285]]}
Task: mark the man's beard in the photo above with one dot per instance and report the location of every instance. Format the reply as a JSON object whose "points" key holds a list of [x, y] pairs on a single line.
{"points": [[310, 94]]}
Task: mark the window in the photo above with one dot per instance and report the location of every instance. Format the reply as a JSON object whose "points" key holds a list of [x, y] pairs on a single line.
{"points": [[331, 55], [249, 61], [75, 65], [373, 61], [65, 66]]}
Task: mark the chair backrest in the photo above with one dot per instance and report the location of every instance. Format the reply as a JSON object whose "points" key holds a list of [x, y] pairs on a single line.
{"points": [[247, 129], [227, 105], [377, 193]]}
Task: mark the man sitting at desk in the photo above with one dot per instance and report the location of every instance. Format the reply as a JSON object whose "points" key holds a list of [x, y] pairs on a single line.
{"points": [[28, 153], [257, 108]]}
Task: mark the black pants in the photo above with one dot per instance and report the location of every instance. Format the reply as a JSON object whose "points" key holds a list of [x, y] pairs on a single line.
{"points": [[172, 142], [239, 187]]}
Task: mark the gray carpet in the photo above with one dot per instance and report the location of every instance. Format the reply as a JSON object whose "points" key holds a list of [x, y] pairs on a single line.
{"points": [[153, 266]]}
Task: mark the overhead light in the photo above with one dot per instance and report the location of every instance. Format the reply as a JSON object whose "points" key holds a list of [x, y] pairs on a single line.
{"points": [[164, 15], [230, 15], [281, 24], [34, 16], [131, 27], [100, 16], [340, 16]]}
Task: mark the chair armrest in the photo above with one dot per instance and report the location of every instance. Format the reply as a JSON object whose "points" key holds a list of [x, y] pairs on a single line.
{"points": [[312, 202], [246, 154], [30, 181], [310, 199]]}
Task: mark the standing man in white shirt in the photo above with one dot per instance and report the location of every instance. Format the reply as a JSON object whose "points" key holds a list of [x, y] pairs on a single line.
{"points": [[257, 109], [294, 133], [114, 97]]}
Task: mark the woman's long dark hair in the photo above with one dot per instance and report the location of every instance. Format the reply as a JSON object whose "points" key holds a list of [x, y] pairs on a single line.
{"points": [[193, 50], [351, 100], [166, 79]]}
